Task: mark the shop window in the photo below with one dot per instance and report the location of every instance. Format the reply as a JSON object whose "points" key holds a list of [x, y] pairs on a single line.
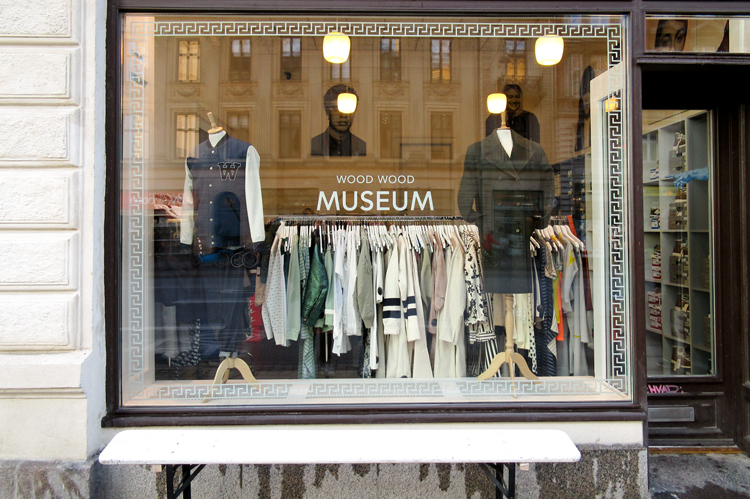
{"points": [[221, 276], [341, 72], [189, 61], [440, 60], [290, 134], [390, 135], [677, 235], [238, 125], [390, 59], [291, 58], [441, 135], [239, 61], [186, 135]]}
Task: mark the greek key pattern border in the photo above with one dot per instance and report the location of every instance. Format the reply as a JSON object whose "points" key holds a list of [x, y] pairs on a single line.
{"points": [[134, 324], [404, 389]]}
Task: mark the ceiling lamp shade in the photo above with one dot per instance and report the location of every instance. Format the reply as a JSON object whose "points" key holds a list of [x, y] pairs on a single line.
{"points": [[549, 50], [336, 47], [347, 103], [496, 103]]}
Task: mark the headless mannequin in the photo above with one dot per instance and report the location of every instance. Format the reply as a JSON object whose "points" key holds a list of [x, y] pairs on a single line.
{"points": [[509, 355], [231, 361]]}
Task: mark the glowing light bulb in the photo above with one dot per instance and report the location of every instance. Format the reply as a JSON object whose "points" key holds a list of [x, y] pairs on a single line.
{"points": [[549, 50], [496, 103], [336, 47], [347, 103], [612, 104]]}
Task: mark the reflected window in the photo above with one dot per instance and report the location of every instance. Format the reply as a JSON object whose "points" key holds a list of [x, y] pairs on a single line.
{"points": [[291, 58], [289, 134], [187, 134], [239, 63], [390, 135], [341, 72], [515, 65], [189, 62], [238, 125], [441, 135], [390, 59], [440, 60]]}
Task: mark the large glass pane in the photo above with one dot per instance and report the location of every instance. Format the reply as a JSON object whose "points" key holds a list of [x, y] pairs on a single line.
{"points": [[677, 156], [698, 34], [447, 234]]}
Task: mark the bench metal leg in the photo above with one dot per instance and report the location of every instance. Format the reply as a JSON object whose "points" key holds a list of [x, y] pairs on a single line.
{"points": [[187, 477], [497, 478]]}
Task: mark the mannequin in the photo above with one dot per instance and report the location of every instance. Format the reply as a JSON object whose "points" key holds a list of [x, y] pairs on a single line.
{"points": [[222, 219], [507, 189]]}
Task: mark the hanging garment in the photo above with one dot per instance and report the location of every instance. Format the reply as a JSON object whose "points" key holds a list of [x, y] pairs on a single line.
{"points": [[394, 311], [307, 367], [425, 279], [293, 292], [222, 204], [340, 340], [275, 306], [546, 351], [574, 308], [379, 358], [352, 319], [524, 327], [421, 367], [450, 351], [365, 286], [326, 322], [439, 286], [316, 292]]}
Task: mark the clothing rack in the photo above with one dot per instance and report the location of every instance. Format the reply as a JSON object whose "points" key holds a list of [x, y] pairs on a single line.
{"points": [[366, 218]]}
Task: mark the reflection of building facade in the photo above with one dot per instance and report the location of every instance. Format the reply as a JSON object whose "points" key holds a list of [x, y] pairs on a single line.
{"points": [[417, 107]]}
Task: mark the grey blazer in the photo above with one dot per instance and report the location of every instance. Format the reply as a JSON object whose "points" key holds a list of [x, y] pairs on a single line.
{"points": [[507, 197]]}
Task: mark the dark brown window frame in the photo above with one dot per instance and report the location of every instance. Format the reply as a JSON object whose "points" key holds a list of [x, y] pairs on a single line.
{"points": [[635, 410]]}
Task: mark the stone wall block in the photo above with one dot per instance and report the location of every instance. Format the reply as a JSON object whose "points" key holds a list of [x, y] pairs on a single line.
{"points": [[43, 426], [36, 74], [39, 199], [36, 18], [38, 260], [39, 136], [38, 321]]}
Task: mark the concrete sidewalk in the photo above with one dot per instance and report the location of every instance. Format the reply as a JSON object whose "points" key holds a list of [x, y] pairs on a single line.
{"points": [[699, 476]]}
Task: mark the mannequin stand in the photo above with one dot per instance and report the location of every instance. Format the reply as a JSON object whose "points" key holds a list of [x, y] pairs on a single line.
{"points": [[222, 372], [509, 355]]}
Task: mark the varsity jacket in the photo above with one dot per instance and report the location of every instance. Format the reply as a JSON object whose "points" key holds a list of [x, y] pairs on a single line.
{"points": [[222, 204]]}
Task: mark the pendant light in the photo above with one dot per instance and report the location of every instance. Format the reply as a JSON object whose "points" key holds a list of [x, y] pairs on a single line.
{"points": [[496, 103], [336, 47], [549, 50], [346, 102]]}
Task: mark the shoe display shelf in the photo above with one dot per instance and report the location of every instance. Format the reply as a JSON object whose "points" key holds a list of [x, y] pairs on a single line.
{"points": [[677, 243]]}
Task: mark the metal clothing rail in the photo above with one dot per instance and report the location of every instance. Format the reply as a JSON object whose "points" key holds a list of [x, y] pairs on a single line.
{"points": [[366, 218]]}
